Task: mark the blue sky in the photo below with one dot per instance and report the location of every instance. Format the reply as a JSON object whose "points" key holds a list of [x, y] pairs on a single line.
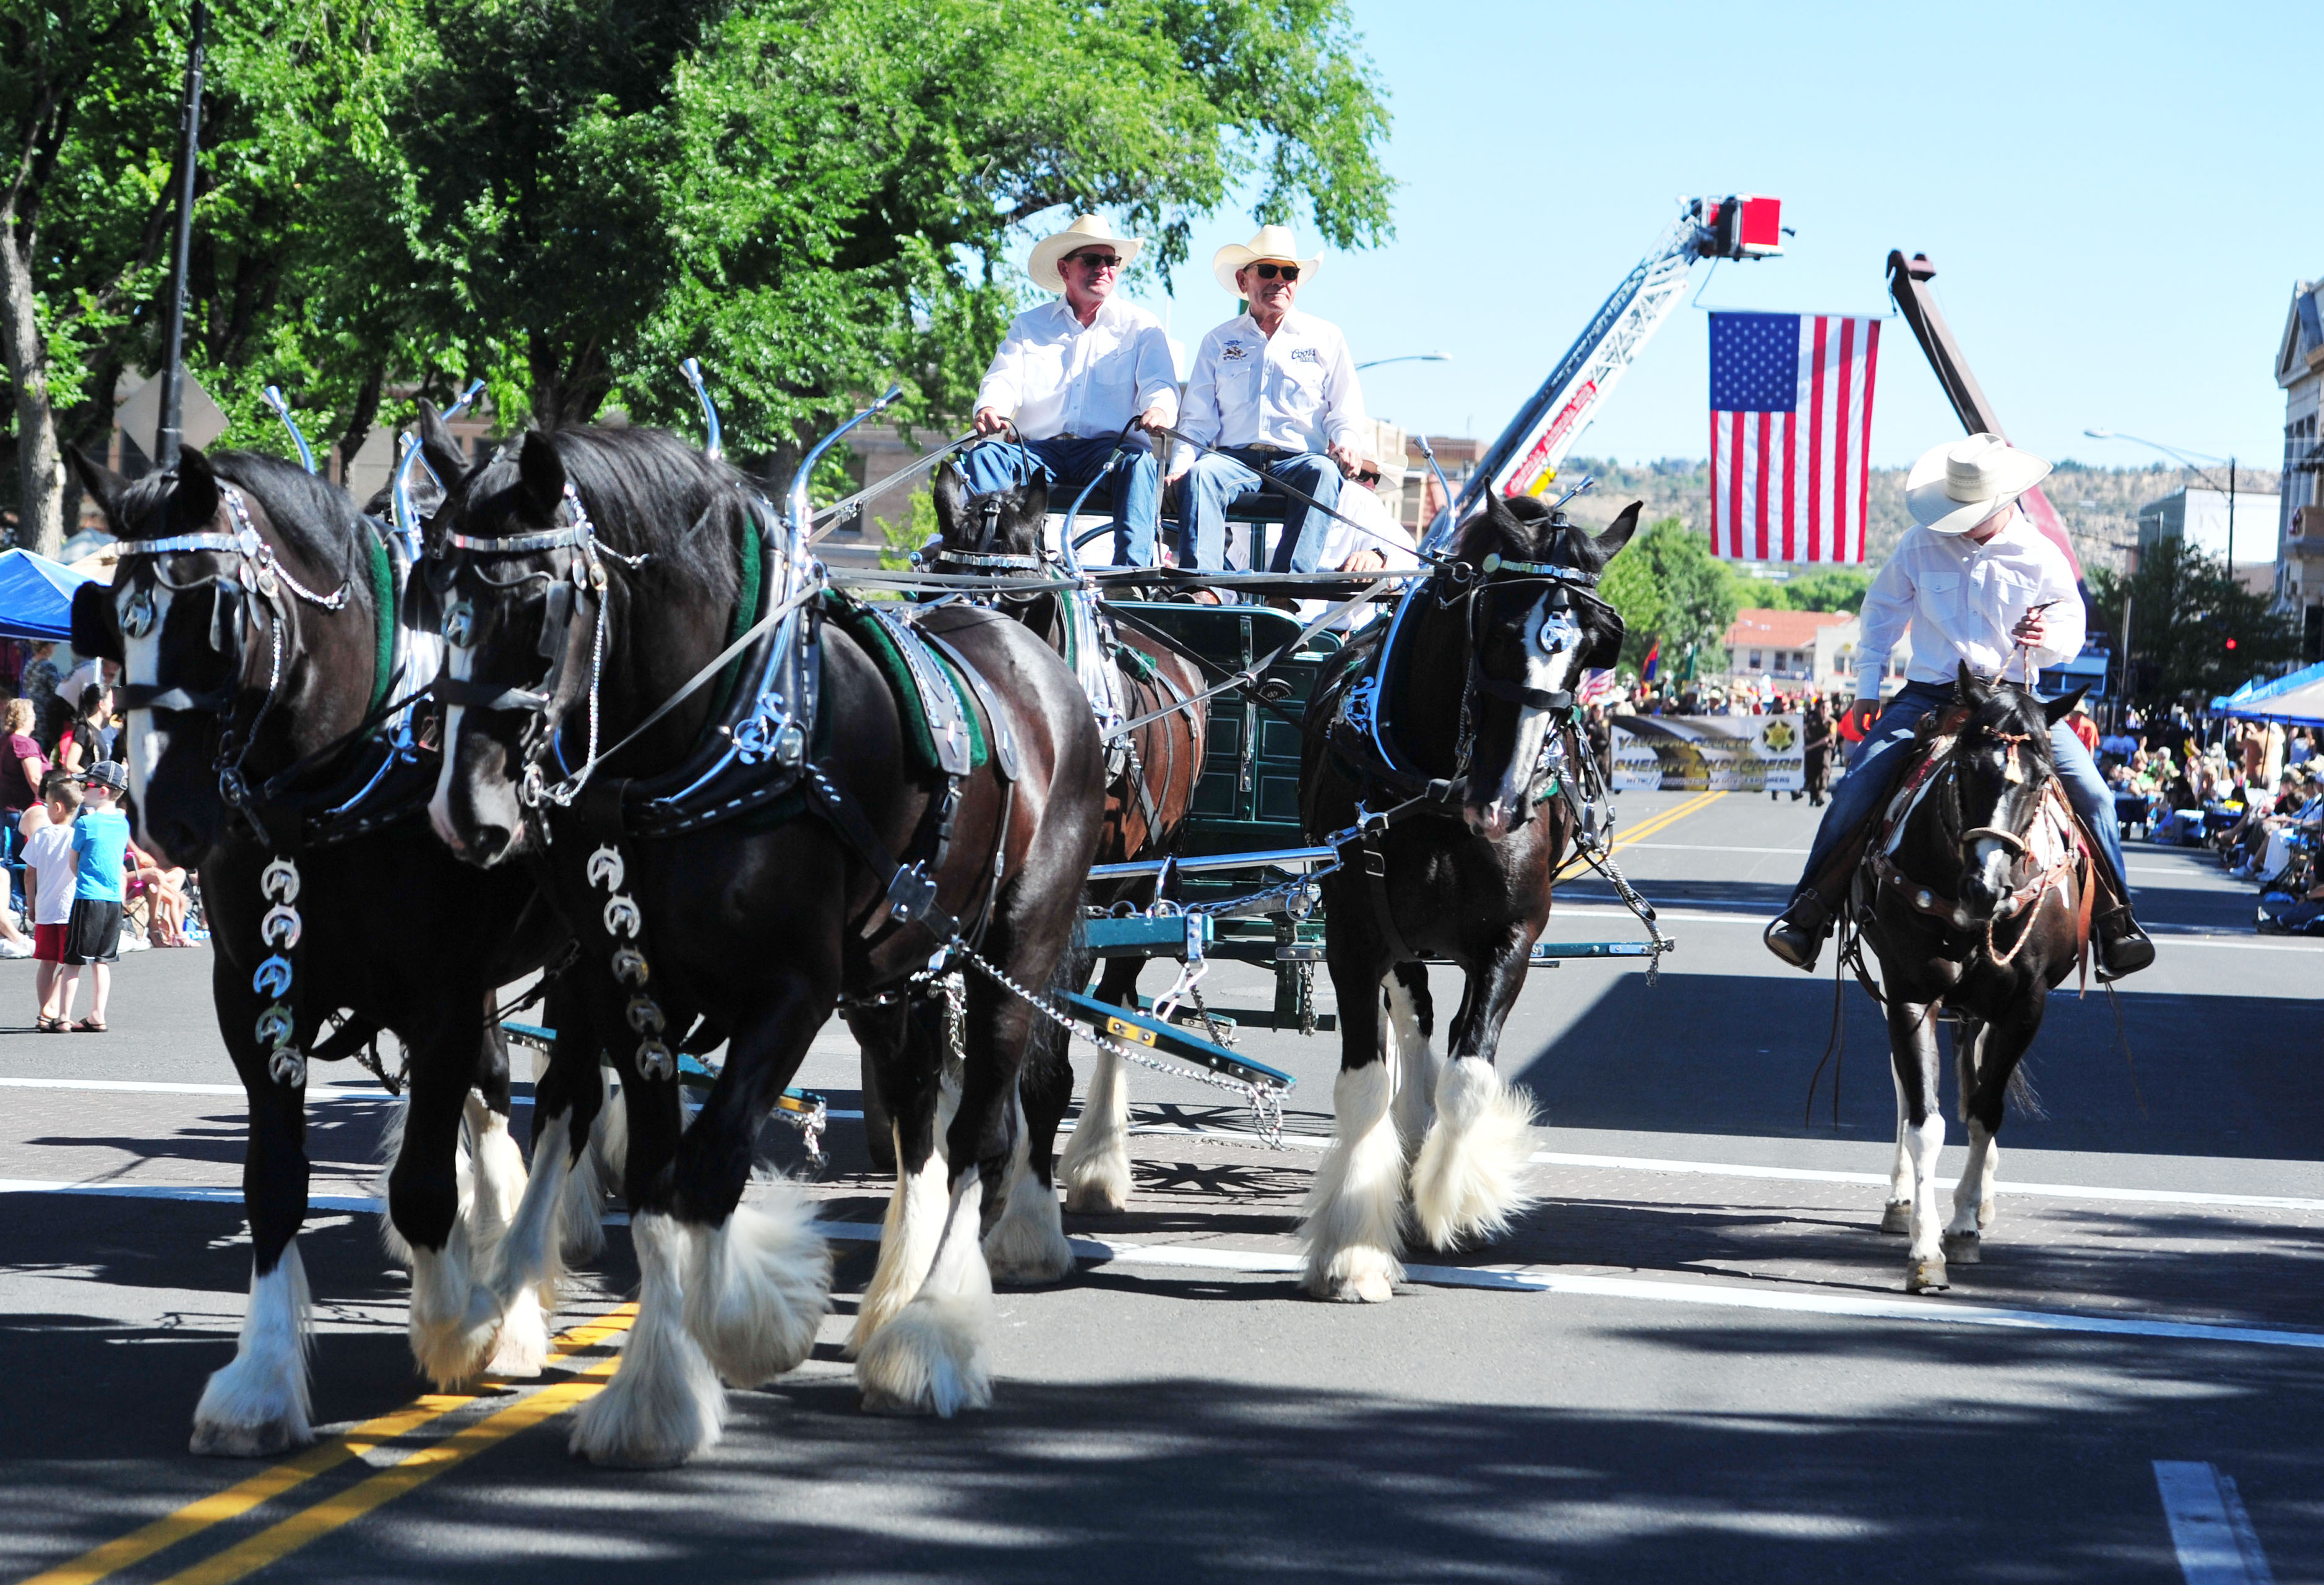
{"points": [[2118, 200]]}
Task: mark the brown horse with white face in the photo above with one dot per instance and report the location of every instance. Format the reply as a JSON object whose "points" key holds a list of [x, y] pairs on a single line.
{"points": [[583, 583], [1473, 690]]}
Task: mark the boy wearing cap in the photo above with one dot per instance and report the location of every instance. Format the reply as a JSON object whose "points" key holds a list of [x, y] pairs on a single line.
{"points": [[1980, 586], [93, 933], [51, 876]]}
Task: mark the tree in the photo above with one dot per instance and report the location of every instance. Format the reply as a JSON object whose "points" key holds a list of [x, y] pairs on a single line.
{"points": [[815, 198], [2202, 632], [1667, 584], [1837, 588]]}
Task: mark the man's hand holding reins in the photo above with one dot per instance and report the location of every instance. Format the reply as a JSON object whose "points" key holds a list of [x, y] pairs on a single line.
{"points": [[989, 421]]}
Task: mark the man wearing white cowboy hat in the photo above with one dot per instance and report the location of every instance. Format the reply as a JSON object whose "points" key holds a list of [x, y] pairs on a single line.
{"points": [[1980, 586], [1276, 390], [1072, 376]]}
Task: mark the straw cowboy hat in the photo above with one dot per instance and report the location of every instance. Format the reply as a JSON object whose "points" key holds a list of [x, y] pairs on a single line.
{"points": [[1086, 230], [1273, 241], [1958, 485]]}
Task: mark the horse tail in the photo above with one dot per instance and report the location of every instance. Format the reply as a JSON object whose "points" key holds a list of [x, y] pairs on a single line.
{"points": [[2025, 1097]]}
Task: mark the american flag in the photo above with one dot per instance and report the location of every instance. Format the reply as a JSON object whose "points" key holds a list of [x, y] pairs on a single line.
{"points": [[1791, 421]]}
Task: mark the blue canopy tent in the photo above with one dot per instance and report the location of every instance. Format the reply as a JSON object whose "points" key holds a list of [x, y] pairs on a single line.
{"points": [[2297, 700], [36, 596]]}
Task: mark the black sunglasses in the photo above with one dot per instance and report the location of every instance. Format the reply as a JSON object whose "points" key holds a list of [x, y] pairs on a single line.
{"points": [[1270, 271], [1097, 260]]}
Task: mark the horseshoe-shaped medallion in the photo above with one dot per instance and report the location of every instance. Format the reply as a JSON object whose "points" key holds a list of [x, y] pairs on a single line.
{"points": [[606, 868], [282, 926], [280, 882], [272, 978], [623, 919]]}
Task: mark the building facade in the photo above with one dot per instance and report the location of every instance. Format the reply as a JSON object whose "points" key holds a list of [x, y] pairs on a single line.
{"points": [[2299, 516], [2212, 521], [1801, 651]]}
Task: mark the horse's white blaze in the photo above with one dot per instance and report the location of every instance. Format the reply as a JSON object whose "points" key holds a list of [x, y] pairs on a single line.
{"points": [[1552, 643], [1355, 1211], [1028, 1245], [664, 1404], [140, 664], [1414, 1063], [908, 1243], [759, 1287], [1096, 1163], [930, 1359], [257, 1405], [1470, 1178], [439, 806]]}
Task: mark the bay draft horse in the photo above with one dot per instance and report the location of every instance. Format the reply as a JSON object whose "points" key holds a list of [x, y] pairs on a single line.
{"points": [[1480, 691], [758, 927], [1976, 904], [229, 664], [1147, 800]]}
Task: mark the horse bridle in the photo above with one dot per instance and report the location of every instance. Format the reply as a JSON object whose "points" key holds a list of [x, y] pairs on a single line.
{"points": [[583, 572], [260, 570], [1496, 570]]}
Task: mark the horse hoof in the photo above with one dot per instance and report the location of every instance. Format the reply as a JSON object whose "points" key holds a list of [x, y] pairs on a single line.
{"points": [[1926, 1277], [1963, 1247], [1371, 1287], [1896, 1217], [217, 1440], [1095, 1199]]}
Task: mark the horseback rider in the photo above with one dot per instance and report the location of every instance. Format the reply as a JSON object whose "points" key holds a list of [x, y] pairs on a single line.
{"points": [[1072, 376], [1277, 392], [1980, 586]]}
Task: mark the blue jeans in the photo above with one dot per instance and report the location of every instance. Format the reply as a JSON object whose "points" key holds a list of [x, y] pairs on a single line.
{"points": [[1217, 480], [1878, 765], [1137, 483]]}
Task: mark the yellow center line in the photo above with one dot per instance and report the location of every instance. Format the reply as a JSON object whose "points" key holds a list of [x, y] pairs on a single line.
{"points": [[203, 1512], [1648, 827], [311, 1525]]}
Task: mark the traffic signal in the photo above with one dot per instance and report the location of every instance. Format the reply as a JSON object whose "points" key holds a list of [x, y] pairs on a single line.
{"points": [[2231, 645]]}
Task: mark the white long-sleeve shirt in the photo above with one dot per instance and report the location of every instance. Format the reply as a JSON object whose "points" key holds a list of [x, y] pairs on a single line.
{"points": [[1296, 389], [1056, 376], [1388, 537], [1960, 599]]}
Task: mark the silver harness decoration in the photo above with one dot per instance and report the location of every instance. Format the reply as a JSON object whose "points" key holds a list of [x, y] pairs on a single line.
{"points": [[278, 1026], [625, 923]]}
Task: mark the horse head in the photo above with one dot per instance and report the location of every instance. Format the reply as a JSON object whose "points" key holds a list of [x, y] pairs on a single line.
{"points": [[1009, 523], [224, 677], [2001, 769], [1535, 624], [528, 574]]}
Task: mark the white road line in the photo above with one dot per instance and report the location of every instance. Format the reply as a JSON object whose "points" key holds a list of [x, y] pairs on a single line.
{"points": [[138, 1087], [2209, 1529], [1526, 1280], [1713, 847], [1745, 914]]}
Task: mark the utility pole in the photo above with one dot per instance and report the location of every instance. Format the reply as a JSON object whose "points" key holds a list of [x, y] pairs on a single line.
{"points": [[170, 434], [2231, 521]]}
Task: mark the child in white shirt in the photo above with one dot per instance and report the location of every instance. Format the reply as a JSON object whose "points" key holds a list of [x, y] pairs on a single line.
{"points": [[52, 869]]}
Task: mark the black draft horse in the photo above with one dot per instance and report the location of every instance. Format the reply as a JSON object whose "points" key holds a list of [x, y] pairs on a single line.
{"points": [[1976, 905], [757, 927], [1477, 683], [1147, 798], [243, 655]]}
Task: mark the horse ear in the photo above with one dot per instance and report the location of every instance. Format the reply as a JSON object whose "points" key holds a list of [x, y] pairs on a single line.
{"points": [[1595, 552], [2057, 710], [1033, 499], [951, 495], [1968, 689], [105, 486], [542, 471], [195, 499], [440, 448]]}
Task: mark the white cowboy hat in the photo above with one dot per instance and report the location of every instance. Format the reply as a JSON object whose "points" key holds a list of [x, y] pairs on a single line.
{"points": [[1272, 241], [1085, 230], [1958, 485]]}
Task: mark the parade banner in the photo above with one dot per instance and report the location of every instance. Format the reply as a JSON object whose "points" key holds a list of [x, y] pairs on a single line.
{"points": [[1710, 753]]}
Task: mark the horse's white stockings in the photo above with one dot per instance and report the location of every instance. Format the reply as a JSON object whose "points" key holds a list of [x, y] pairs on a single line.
{"points": [[1355, 1211], [930, 1359], [257, 1405], [664, 1404], [1095, 1168], [1028, 1245], [759, 1288], [1470, 1178]]}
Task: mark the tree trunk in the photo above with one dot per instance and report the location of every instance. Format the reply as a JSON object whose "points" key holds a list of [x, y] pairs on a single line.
{"points": [[359, 421], [40, 465], [566, 392]]}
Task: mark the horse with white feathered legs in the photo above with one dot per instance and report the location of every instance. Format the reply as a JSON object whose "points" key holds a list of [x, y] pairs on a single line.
{"points": [[1451, 742], [735, 871], [254, 611], [1152, 768]]}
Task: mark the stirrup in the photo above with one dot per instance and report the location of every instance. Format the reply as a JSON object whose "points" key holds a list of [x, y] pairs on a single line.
{"points": [[1797, 935], [2123, 948]]}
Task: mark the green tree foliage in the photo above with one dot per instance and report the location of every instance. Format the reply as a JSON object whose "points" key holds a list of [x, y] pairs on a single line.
{"points": [[1838, 588], [1667, 584], [2184, 609]]}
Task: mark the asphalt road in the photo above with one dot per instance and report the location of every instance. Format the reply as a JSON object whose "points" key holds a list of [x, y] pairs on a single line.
{"points": [[1694, 1361]]}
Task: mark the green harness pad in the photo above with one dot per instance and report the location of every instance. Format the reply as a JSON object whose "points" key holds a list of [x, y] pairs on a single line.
{"points": [[746, 616], [382, 596], [866, 631]]}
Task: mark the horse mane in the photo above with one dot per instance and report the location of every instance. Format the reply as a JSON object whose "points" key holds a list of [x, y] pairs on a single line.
{"points": [[648, 490], [1522, 528], [2009, 708], [318, 518]]}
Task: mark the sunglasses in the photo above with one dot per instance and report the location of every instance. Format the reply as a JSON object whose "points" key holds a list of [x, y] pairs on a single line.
{"points": [[1096, 260], [1270, 271]]}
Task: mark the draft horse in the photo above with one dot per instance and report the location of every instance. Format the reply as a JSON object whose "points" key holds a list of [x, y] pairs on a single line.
{"points": [[1151, 770], [1977, 900], [583, 580], [254, 611], [1464, 717]]}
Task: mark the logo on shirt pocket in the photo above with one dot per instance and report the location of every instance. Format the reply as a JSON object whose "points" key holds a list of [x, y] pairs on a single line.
{"points": [[1307, 354], [1233, 351]]}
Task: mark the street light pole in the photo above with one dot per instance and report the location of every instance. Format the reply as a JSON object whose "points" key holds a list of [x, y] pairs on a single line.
{"points": [[2184, 461], [171, 425]]}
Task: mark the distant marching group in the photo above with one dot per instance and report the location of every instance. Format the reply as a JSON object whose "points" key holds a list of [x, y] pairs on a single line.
{"points": [[603, 716]]}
